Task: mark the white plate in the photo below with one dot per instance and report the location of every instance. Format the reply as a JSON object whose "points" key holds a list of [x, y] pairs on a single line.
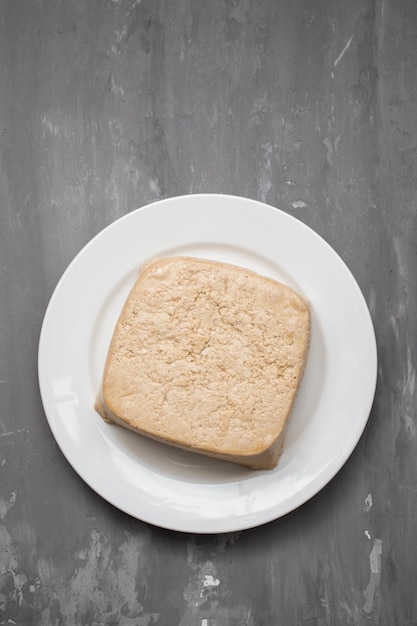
{"points": [[166, 486]]}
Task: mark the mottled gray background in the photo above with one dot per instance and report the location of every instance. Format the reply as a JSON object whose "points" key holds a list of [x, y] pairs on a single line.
{"points": [[309, 105]]}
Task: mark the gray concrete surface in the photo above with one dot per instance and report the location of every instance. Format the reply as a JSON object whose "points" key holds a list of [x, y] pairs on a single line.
{"points": [[108, 105]]}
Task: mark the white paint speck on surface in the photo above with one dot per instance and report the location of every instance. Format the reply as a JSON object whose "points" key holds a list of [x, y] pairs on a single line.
{"points": [[49, 126], [121, 34], [19, 580], [154, 186], [5, 505], [264, 187], [116, 89], [258, 110], [375, 559], [409, 386], [298, 204], [367, 534], [329, 151], [368, 503], [342, 54], [411, 372], [210, 581], [9, 433], [410, 425]]}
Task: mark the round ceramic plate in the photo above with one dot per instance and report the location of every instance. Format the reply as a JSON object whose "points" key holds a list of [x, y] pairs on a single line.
{"points": [[166, 486]]}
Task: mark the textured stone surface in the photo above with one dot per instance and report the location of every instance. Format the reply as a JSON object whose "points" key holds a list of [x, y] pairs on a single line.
{"points": [[107, 105]]}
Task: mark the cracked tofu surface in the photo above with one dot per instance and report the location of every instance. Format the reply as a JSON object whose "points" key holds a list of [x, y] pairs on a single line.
{"points": [[209, 357]]}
